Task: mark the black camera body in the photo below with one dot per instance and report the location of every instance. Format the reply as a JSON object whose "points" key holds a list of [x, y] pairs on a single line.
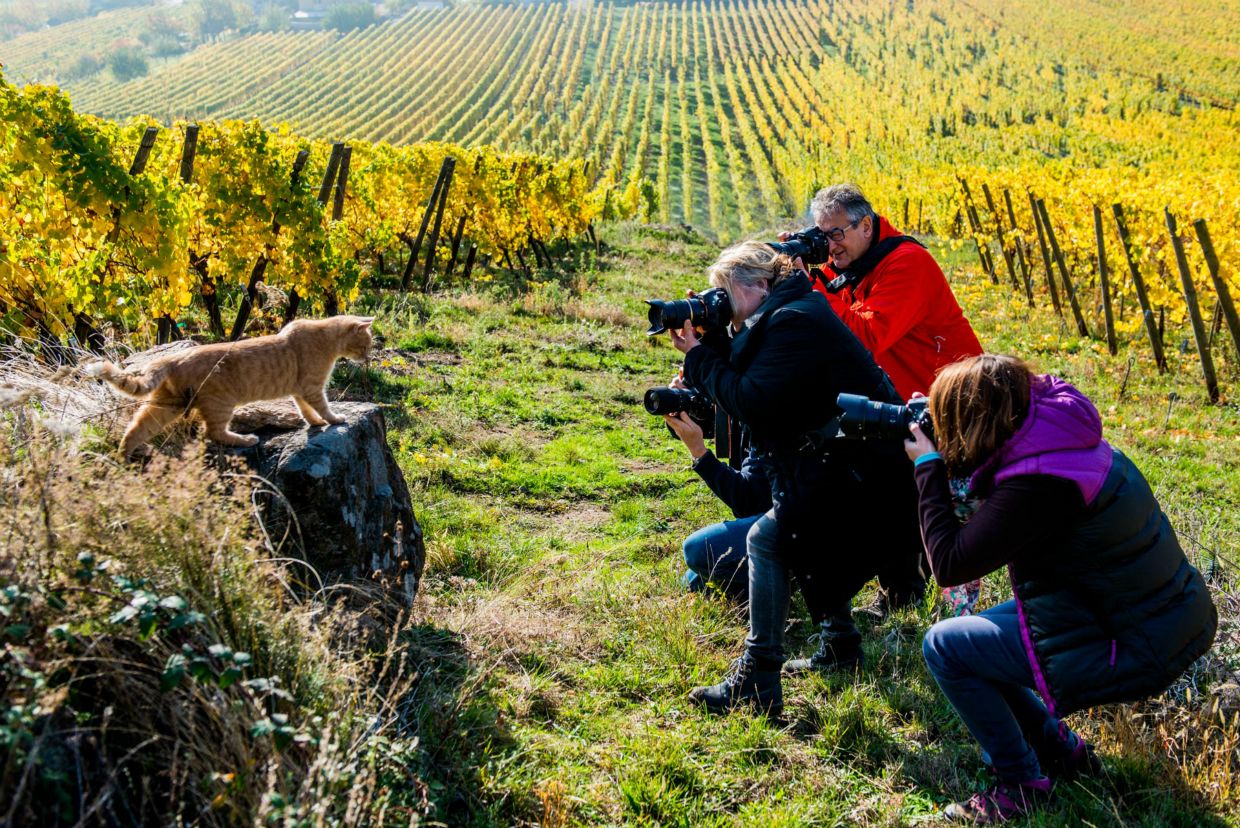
{"points": [[708, 310], [697, 405], [810, 244], [865, 419]]}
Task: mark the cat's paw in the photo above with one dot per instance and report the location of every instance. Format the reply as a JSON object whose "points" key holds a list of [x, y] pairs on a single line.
{"points": [[333, 419]]}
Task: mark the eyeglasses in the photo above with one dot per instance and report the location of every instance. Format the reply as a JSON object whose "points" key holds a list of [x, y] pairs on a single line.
{"points": [[836, 234]]}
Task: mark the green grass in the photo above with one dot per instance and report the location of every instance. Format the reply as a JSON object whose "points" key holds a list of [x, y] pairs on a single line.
{"points": [[554, 508], [542, 677]]}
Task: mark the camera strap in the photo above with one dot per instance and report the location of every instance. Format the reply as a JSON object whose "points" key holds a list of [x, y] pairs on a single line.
{"points": [[819, 440], [868, 261]]}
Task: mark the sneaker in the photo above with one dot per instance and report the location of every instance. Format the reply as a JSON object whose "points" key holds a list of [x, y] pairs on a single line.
{"points": [[744, 684], [829, 657], [1002, 802]]}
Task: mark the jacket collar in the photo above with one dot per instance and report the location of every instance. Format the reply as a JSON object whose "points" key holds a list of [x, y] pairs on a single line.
{"points": [[787, 291]]}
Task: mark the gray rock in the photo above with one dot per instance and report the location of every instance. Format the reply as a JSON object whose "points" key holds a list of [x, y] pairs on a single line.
{"points": [[353, 515]]}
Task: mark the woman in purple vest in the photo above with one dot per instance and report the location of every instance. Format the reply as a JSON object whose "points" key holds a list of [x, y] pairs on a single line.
{"points": [[1105, 607]]}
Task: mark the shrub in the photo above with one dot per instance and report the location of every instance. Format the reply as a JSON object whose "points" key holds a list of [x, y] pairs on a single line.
{"points": [[127, 63], [84, 66], [349, 16]]}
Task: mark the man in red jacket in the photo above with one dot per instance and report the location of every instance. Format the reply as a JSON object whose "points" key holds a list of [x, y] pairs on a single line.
{"points": [[889, 291]]}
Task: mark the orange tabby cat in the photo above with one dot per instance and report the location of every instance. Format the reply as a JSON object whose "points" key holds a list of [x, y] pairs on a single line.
{"points": [[212, 380]]}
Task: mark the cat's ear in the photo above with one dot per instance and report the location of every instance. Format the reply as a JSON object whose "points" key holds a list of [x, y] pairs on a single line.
{"points": [[365, 321]]}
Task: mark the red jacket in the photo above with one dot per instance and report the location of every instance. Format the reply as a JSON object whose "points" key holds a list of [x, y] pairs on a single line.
{"points": [[905, 313]]}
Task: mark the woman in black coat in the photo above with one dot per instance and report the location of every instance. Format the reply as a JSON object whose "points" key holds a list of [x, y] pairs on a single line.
{"points": [[838, 513]]}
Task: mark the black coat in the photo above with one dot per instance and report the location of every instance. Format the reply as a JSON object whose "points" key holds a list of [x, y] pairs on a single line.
{"points": [[746, 491], [847, 512]]}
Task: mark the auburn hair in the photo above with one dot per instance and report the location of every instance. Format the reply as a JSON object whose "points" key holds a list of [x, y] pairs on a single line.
{"points": [[976, 405]]}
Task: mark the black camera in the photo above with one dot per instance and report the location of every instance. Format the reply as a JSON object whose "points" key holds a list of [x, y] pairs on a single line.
{"points": [[697, 405], [810, 244], [708, 310], [865, 419]]}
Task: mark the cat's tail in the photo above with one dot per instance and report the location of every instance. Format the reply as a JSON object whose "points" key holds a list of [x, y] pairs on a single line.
{"points": [[137, 384]]}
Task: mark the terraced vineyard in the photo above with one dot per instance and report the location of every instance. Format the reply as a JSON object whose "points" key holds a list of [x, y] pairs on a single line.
{"points": [[728, 115], [737, 111], [48, 56]]}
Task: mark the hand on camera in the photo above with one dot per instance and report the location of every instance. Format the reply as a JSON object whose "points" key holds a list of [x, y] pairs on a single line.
{"points": [[783, 237], [686, 339], [689, 432], [918, 444], [678, 381]]}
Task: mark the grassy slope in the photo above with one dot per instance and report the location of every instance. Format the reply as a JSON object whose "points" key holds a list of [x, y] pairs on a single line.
{"points": [[558, 645]]}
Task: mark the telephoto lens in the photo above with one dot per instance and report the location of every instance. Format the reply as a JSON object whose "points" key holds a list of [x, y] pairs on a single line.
{"points": [[674, 400], [709, 310], [865, 419]]}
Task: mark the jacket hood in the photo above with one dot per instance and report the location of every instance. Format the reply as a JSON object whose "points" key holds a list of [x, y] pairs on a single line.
{"points": [[1061, 436]]}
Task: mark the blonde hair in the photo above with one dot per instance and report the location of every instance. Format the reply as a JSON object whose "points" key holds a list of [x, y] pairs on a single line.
{"points": [[976, 405], [749, 263]]}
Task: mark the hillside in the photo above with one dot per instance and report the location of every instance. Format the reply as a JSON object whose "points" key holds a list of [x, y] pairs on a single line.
{"points": [[541, 678], [503, 186], [738, 111]]}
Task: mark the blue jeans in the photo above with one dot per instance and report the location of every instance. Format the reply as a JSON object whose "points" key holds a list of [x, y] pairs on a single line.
{"points": [[980, 664], [715, 554]]}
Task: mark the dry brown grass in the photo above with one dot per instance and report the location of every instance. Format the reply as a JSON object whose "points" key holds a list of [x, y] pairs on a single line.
{"points": [[96, 730]]}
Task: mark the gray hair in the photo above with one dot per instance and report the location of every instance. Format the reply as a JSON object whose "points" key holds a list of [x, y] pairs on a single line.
{"points": [[846, 197]]}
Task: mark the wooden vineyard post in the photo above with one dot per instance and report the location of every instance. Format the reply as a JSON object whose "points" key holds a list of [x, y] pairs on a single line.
{"points": [[1018, 243], [83, 327], [166, 329], [189, 151], [342, 182], [144, 151], [525, 268], [975, 224], [198, 262], [904, 225], [1194, 310], [329, 175], [1007, 257], [331, 303], [1063, 270], [1220, 286], [428, 273], [1046, 254], [325, 189], [533, 245], [469, 261], [456, 247], [1104, 278], [256, 275], [598, 248], [1147, 313], [416, 245]]}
